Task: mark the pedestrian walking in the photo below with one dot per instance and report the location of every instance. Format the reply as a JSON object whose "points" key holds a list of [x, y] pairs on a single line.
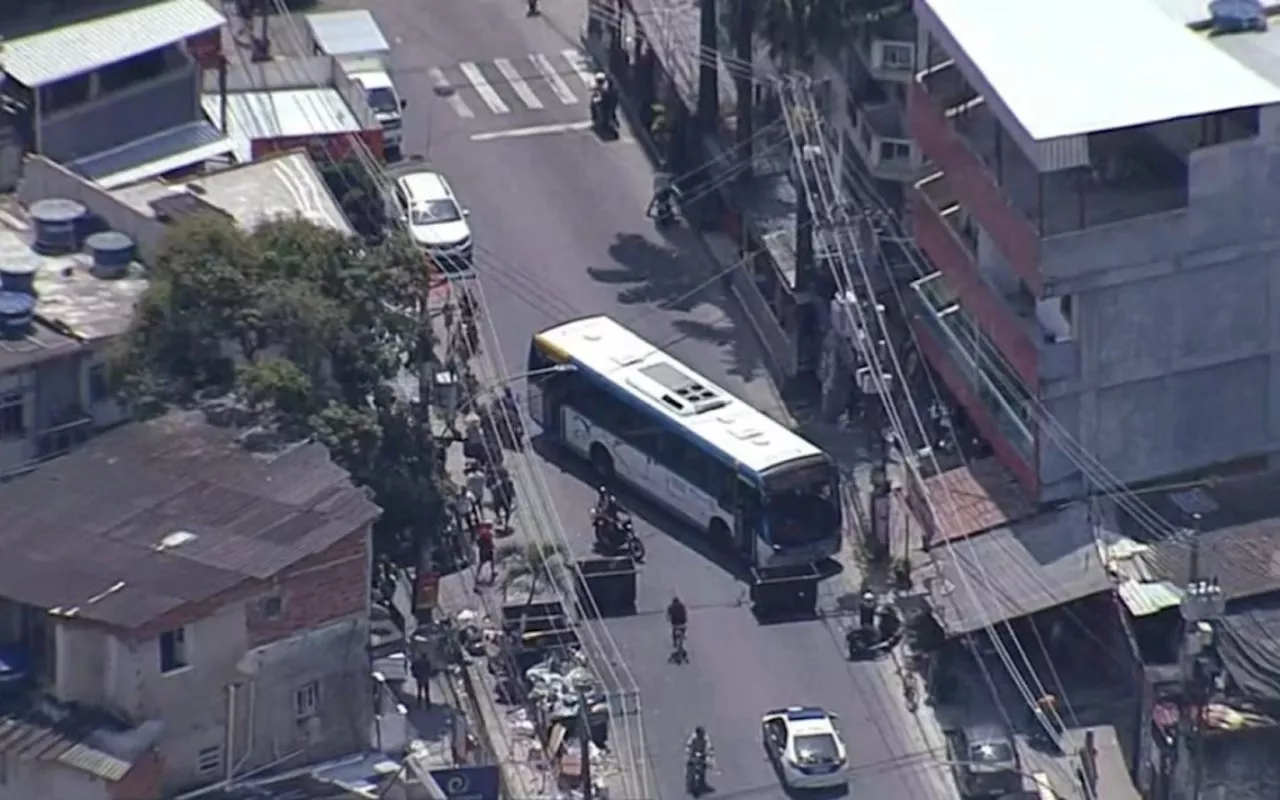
{"points": [[467, 511], [504, 500], [422, 679], [485, 553], [475, 484]]}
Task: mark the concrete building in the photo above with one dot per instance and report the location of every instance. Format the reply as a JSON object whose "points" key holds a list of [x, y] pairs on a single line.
{"points": [[117, 97], [1098, 207], [185, 611], [53, 389]]}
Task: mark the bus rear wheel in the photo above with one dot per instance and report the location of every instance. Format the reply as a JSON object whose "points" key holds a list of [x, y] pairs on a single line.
{"points": [[602, 463], [719, 534]]}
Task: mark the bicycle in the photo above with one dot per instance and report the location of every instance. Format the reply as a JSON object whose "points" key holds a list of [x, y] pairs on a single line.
{"points": [[679, 654]]}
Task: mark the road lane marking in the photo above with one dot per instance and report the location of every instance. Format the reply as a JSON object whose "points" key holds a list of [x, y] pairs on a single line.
{"points": [[518, 83], [536, 130], [482, 87], [579, 64], [449, 93], [557, 84]]}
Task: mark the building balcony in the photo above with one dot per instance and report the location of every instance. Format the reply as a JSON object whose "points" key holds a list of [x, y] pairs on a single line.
{"points": [[950, 241], [1131, 173], [977, 376], [881, 139]]}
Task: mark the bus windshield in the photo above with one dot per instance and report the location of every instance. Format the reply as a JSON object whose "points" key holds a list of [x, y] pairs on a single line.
{"points": [[802, 504]]}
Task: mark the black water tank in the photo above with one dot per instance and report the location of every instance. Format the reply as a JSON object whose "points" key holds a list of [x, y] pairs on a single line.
{"points": [[18, 268], [17, 314], [112, 253], [57, 222]]}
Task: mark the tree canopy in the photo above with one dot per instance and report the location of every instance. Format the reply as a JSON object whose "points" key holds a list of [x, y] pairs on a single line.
{"points": [[302, 332], [798, 30]]}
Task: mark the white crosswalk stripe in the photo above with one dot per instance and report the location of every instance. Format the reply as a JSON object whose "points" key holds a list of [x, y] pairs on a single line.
{"points": [[518, 83], [579, 64], [553, 79], [481, 84], [449, 94]]}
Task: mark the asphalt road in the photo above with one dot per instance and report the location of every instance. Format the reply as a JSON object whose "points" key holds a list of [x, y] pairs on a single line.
{"points": [[560, 230]]}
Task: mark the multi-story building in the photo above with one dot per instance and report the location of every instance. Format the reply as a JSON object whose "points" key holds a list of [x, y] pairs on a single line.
{"points": [[176, 611], [1098, 204], [117, 97]]}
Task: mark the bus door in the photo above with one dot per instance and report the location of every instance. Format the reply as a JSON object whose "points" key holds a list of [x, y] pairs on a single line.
{"points": [[749, 519]]}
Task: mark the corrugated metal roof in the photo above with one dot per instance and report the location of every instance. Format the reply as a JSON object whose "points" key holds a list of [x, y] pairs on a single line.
{"points": [[283, 114], [344, 33], [45, 58], [1144, 599], [154, 155], [100, 552]]}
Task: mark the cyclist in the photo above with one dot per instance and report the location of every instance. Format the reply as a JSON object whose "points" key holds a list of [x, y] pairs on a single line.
{"points": [[678, 617]]}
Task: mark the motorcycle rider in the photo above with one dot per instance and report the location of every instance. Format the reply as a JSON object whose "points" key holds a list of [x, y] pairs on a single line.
{"points": [[662, 205], [698, 749], [604, 97], [678, 618]]}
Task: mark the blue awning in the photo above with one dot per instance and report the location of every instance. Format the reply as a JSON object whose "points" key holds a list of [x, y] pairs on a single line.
{"points": [[154, 155]]}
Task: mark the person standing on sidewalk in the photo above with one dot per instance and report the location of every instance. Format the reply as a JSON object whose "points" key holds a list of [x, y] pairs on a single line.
{"points": [[422, 679], [475, 486], [485, 553]]}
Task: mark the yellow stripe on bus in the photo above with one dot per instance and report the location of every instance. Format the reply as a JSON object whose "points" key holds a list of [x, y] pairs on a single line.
{"points": [[555, 351]]}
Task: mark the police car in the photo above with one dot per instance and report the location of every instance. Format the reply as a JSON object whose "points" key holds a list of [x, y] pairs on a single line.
{"points": [[805, 747]]}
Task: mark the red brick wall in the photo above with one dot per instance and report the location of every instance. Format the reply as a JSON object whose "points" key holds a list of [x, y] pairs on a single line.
{"points": [[324, 587], [974, 187], [337, 146], [142, 782], [993, 315]]}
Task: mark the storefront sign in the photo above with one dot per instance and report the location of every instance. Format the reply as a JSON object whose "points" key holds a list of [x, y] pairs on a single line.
{"points": [[469, 783]]}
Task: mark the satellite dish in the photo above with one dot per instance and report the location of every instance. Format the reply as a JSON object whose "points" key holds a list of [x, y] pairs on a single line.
{"points": [[1237, 16]]}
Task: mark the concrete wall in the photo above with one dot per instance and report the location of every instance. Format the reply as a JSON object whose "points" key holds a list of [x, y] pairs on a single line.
{"points": [[320, 634], [1177, 319], [121, 117], [42, 178]]}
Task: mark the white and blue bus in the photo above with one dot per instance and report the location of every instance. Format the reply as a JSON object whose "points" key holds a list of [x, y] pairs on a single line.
{"points": [[642, 417]]}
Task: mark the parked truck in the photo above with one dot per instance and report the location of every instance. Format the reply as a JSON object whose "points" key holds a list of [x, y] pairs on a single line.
{"points": [[355, 41]]}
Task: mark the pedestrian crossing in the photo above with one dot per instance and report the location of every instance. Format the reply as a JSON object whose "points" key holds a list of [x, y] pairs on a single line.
{"points": [[503, 86]]}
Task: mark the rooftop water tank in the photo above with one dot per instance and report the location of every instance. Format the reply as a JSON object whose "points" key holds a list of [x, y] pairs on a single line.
{"points": [[57, 222], [17, 314], [112, 253], [18, 268]]}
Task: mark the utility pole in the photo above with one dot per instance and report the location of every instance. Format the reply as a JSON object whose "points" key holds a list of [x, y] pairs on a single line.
{"points": [[584, 739], [1202, 607]]}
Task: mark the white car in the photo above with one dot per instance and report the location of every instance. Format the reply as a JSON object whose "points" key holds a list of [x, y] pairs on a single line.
{"points": [[436, 221], [805, 747]]}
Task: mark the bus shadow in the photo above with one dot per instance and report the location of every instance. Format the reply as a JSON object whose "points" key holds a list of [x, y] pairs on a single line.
{"points": [[642, 508]]}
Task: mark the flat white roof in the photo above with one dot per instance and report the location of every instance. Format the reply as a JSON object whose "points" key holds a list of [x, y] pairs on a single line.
{"points": [[1065, 69], [53, 55], [738, 430], [279, 186], [346, 33], [283, 113]]}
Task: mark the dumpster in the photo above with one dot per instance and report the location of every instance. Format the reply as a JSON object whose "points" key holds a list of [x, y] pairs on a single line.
{"points": [[532, 629], [785, 591], [606, 586]]}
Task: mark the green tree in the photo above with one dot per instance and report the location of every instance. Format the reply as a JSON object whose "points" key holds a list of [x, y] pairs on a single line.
{"points": [[309, 333], [358, 194]]}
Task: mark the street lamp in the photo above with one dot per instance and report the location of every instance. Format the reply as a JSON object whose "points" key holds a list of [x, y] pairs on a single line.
{"points": [[446, 386]]}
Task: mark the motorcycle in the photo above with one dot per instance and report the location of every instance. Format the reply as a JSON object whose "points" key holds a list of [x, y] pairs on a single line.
{"points": [[664, 212], [695, 776], [616, 534], [860, 641], [603, 119]]}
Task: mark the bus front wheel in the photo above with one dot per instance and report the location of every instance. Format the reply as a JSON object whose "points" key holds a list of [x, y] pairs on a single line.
{"points": [[602, 463]]}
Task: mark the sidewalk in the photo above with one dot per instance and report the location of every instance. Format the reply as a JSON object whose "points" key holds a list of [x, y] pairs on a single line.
{"points": [[526, 772]]}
